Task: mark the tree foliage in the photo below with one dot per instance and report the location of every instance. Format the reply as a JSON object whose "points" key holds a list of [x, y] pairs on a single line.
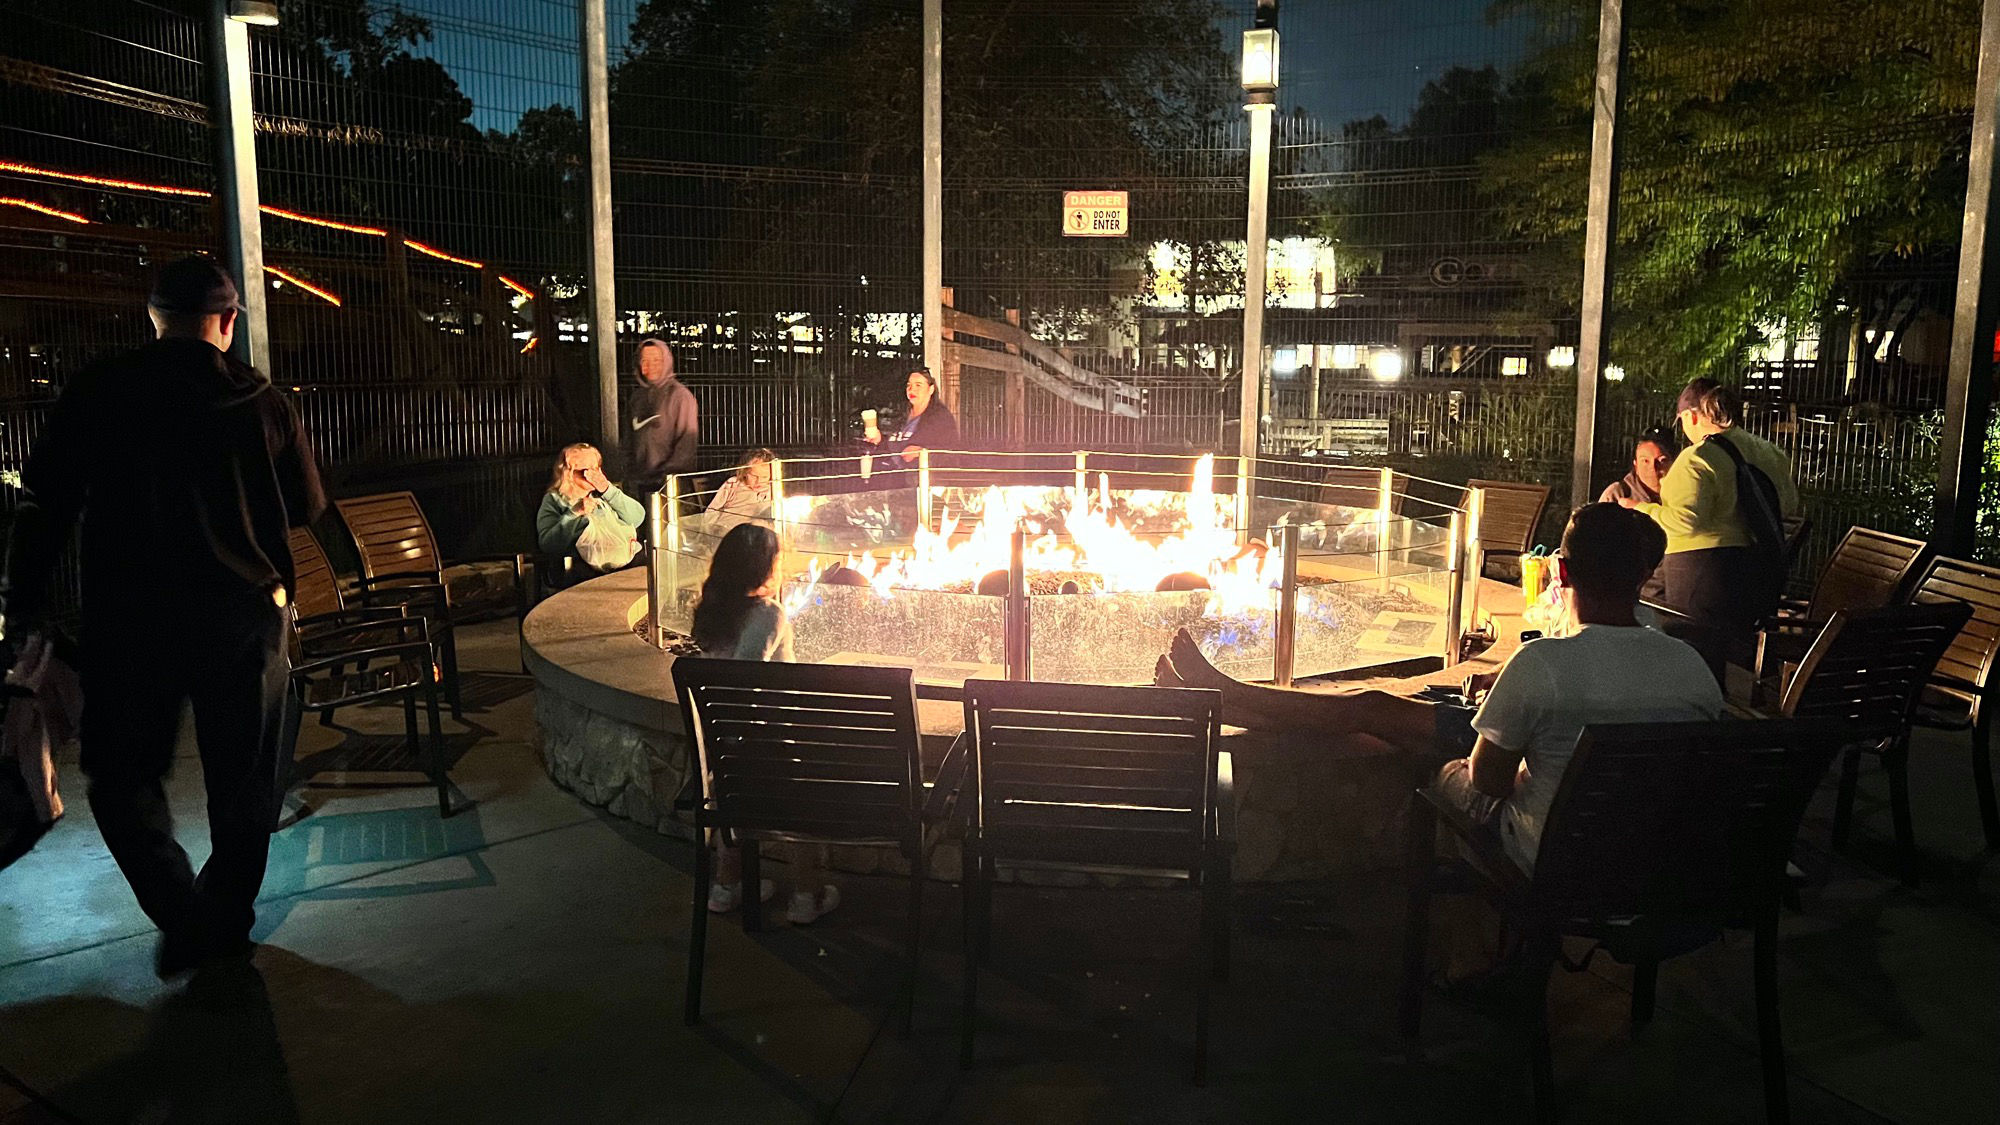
{"points": [[1774, 153]]}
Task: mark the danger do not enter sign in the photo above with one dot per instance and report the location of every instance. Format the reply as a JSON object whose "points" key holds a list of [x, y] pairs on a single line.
{"points": [[1096, 214]]}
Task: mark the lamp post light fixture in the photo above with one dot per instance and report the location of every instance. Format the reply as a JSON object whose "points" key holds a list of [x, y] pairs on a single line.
{"points": [[1260, 90], [259, 13]]}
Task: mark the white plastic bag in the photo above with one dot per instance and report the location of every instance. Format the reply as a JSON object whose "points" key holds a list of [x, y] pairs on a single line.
{"points": [[606, 543]]}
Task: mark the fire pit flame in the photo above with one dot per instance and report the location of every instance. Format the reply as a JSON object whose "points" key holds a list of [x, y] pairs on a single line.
{"points": [[1082, 536]]}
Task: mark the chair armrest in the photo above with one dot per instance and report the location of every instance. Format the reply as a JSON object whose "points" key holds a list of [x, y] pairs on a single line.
{"points": [[1789, 625], [354, 615], [950, 778], [405, 594], [415, 650], [1225, 800]]}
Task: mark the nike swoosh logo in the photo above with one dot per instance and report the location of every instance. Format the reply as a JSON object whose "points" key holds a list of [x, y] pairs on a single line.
{"points": [[641, 423]]}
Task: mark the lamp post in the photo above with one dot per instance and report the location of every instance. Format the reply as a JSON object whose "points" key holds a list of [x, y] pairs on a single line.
{"points": [[236, 163], [1260, 90]]}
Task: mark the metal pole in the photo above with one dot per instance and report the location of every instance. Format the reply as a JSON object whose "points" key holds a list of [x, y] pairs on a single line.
{"points": [[1975, 312], [656, 558], [1599, 236], [1014, 640], [1082, 475], [1284, 644], [1255, 251], [603, 283], [1385, 504], [934, 187], [236, 149], [1454, 595]]}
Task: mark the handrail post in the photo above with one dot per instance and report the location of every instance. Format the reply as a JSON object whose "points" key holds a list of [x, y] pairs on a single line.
{"points": [[1385, 504], [1475, 563], [924, 489], [662, 551], [1284, 645], [1244, 467], [1014, 612], [1454, 596]]}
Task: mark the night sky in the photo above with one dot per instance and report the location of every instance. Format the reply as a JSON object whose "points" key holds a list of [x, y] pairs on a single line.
{"points": [[1342, 59]]}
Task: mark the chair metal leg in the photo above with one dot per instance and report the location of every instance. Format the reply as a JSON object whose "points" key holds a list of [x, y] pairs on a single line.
{"points": [[919, 875], [439, 776], [451, 675], [1225, 891], [1896, 762], [1770, 1037], [1540, 953], [410, 736], [1843, 806], [704, 870], [1982, 780], [1420, 849], [1207, 927], [753, 885], [1645, 984], [968, 884], [985, 890]]}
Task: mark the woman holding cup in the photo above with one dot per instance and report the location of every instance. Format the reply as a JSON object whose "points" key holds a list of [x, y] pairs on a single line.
{"points": [[929, 424]]}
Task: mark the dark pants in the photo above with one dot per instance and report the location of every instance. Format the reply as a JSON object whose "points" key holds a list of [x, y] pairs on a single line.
{"points": [[230, 661], [1725, 592]]}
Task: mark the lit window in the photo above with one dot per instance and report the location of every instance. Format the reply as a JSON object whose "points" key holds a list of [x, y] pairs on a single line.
{"points": [[1514, 365]]}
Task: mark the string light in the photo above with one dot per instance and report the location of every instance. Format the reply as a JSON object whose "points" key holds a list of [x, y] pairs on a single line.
{"points": [[308, 286], [100, 181], [277, 212], [530, 345], [332, 224], [437, 253], [33, 206]]}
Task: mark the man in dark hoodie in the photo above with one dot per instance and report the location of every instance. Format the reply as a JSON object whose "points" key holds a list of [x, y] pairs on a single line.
{"points": [[187, 470], [665, 433]]}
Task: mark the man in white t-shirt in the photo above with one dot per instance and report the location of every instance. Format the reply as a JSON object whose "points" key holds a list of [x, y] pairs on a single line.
{"points": [[1612, 670]]}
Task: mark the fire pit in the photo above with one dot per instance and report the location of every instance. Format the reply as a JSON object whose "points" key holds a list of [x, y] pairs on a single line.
{"points": [[1080, 567]]}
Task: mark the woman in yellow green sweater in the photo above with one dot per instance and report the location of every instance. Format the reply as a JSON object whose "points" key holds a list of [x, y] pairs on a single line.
{"points": [[1715, 571]]}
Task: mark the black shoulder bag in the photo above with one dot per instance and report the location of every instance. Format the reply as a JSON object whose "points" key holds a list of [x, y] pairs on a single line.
{"points": [[1756, 504]]}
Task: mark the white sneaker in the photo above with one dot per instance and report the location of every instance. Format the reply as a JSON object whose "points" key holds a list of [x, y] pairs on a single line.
{"points": [[805, 909], [725, 897]]}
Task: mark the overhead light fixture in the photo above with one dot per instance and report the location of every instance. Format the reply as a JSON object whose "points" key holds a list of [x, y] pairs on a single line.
{"points": [[1564, 356], [259, 13], [1386, 365], [1260, 62]]}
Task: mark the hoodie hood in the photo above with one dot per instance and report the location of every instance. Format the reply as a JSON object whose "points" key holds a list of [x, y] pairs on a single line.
{"points": [[203, 377], [652, 342]]}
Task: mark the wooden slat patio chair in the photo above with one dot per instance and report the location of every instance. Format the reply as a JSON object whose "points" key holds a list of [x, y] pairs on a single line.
{"points": [[320, 600], [1868, 570], [1959, 697], [369, 661], [813, 754], [397, 551], [1507, 523], [1123, 780], [1660, 837], [1867, 671]]}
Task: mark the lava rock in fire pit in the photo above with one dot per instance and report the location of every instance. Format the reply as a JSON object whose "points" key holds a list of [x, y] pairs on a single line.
{"points": [[1185, 580], [994, 585]]}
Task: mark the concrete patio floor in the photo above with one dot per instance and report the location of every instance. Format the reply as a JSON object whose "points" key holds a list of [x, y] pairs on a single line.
{"points": [[523, 961]]}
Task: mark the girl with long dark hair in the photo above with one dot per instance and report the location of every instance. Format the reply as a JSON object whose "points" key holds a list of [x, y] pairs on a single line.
{"points": [[739, 618]]}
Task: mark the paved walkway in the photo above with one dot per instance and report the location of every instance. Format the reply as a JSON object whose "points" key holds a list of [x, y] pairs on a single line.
{"points": [[523, 962]]}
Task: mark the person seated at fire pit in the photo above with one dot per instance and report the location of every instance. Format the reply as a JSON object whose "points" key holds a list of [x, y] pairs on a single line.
{"points": [[738, 617], [1612, 670], [744, 498], [1652, 456], [929, 424], [585, 515]]}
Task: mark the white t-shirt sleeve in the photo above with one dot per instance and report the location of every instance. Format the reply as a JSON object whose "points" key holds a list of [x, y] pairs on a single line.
{"points": [[1516, 711]]}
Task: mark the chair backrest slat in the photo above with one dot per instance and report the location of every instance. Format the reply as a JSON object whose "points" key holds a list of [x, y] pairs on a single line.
{"points": [[1969, 662], [1513, 510], [1867, 669], [1678, 819], [1093, 775], [809, 749], [1868, 570], [315, 586], [390, 534]]}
